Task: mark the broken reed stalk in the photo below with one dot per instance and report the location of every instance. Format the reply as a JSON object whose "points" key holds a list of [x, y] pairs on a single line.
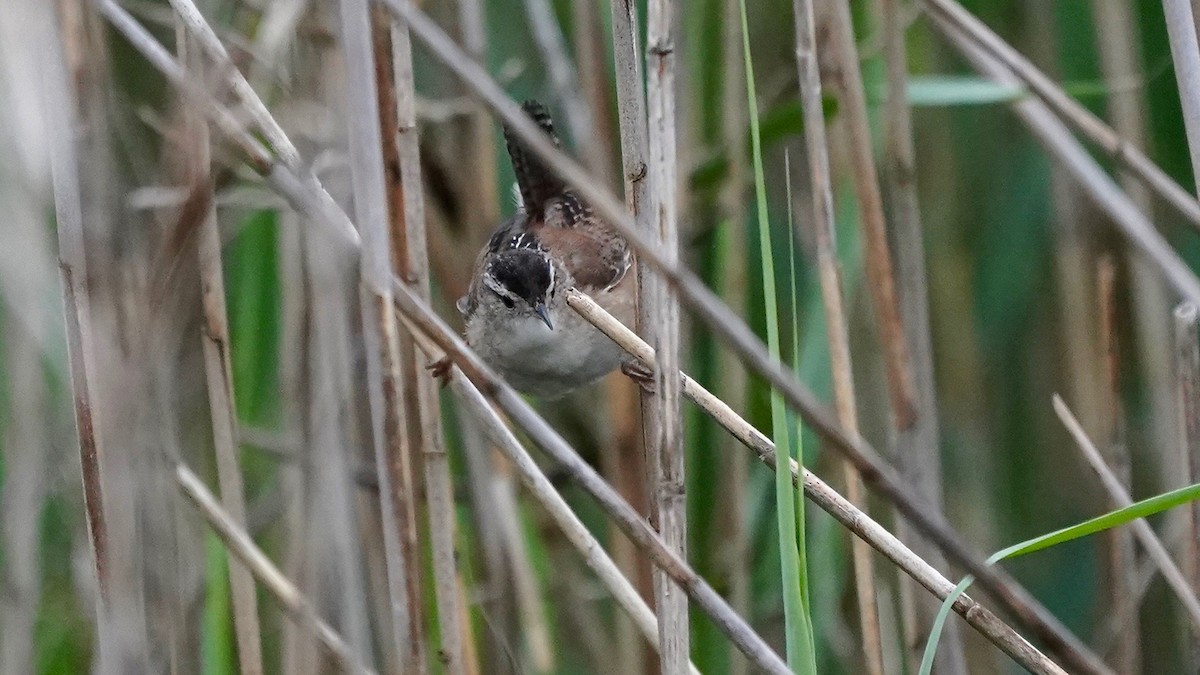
{"points": [[1118, 493], [1118, 38], [916, 448], [951, 15], [1119, 543], [424, 319], [240, 544], [301, 189], [542, 490], [1187, 398], [845, 512], [829, 270], [1185, 56], [82, 349], [847, 86], [392, 76], [218, 370], [388, 425], [666, 449]]}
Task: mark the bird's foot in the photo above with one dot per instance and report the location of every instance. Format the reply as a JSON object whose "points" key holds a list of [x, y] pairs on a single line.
{"points": [[639, 373], [441, 369]]}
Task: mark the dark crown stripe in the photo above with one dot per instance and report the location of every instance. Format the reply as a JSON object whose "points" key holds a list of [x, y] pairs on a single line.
{"points": [[535, 182]]}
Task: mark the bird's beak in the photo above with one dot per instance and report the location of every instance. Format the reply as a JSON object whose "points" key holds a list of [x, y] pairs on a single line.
{"points": [[543, 314]]}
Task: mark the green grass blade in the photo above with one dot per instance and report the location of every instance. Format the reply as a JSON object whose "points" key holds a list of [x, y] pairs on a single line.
{"points": [[1142, 509], [800, 652]]}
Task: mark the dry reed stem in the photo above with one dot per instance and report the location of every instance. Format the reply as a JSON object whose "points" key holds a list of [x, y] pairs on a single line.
{"points": [[1119, 45], [218, 370], [239, 543], [1056, 139], [439, 489], [82, 348], [391, 75], [916, 448], [847, 85], [388, 424], [424, 319], [1187, 400], [637, 182], [1185, 55], [662, 312], [830, 274], [208, 40], [542, 490], [951, 14], [735, 331], [1120, 549], [824, 496], [1118, 493], [306, 195]]}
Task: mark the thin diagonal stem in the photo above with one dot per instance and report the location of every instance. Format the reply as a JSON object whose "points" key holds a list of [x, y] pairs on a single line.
{"points": [[631, 523], [845, 512]]}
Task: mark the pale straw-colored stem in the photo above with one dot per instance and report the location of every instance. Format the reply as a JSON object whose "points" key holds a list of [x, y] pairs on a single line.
{"points": [[707, 600], [1118, 493], [388, 424], [542, 490], [1067, 109], [239, 543], [837, 328], [218, 369], [825, 497]]}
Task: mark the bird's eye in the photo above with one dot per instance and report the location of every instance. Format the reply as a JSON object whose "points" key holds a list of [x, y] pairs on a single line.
{"points": [[507, 301], [552, 293]]}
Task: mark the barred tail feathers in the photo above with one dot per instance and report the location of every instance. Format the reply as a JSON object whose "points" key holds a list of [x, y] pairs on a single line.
{"points": [[535, 181]]}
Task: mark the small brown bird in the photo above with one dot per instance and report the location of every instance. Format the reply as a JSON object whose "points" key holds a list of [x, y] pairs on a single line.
{"points": [[516, 314]]}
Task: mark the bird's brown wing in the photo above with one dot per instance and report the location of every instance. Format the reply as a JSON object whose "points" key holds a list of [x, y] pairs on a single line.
{"points": [[596, 258]]}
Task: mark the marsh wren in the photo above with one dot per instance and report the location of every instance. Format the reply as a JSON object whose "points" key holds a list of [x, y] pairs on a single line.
{"points": [[517, 318]]}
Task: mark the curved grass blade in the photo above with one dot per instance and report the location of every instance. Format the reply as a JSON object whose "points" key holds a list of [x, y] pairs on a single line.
{"points": [[1142, 509]]}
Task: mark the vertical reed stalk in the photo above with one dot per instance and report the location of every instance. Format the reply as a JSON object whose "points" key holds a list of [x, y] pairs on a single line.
{"points": [[439, 491], [830, 274], [666, 450], [391, 65], [378, 312], [1119, 542], [917, 447], [82, 348], [218, 370], [1119, 50], [1187, 400], [1185, 55], [636, 179], [847, 85]]}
